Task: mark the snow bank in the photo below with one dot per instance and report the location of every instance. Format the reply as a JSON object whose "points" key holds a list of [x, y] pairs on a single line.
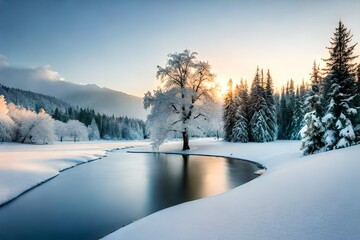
{"points": [[312, 197], [24, 166]]}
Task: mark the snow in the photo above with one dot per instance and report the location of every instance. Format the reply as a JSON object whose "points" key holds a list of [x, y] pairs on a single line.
{"points": [[298, 197], [24, 166]]}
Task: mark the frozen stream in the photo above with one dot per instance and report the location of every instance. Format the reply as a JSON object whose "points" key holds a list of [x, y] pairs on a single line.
{"points": [[97, 198]]}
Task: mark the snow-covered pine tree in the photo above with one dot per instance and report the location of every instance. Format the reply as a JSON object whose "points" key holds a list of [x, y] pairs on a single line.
{"points": [[357, 100], [358, 79], [229, 112], [341, 108], [240, 131], [93, 131], [271, 109], [259, 129], [313, 130]]}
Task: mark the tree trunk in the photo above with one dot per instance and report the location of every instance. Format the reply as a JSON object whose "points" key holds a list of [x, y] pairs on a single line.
{"points": [[185, 141]]}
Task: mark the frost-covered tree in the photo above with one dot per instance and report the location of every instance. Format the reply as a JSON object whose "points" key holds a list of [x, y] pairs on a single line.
{"points": [[3, 105], [77, 130], [341, 108], [240, 130], [93, 131], [6, 123], [184, 101], [61, 130], [32, 127], [229, 112]]}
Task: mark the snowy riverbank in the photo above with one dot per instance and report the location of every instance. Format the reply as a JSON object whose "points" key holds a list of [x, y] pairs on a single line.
{"points": [[24, 166], [312, 197]]}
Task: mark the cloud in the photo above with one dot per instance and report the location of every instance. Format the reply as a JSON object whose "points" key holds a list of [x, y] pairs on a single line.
{"points": [[8, 71], [3, 61], [46, 73]]}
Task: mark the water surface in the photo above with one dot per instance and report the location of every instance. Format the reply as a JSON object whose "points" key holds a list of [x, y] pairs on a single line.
{"points": [[97, 198]]}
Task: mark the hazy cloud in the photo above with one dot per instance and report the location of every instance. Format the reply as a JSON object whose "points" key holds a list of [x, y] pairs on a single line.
{"points": [[9, 71], [46, 73], [3, 61]]}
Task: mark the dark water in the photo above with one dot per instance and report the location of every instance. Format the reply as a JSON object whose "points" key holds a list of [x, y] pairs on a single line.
{"points": [[95, 199]]}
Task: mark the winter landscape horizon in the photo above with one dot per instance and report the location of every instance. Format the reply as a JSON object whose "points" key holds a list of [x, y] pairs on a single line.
{"points": [[179, 119]]}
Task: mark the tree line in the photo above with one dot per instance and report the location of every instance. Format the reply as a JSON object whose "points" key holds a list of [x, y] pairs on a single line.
{"points": [[250, 116], [109, 127], [27, 126], [323, 113]]}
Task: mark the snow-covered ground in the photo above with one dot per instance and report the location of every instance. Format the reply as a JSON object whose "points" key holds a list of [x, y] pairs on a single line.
{"points": [[312, 197], [24, 166]]}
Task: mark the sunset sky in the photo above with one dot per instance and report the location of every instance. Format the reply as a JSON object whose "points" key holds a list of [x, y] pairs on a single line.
{"points": [[118, 44]]}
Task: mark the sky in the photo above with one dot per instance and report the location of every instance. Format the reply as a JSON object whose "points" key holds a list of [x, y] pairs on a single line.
{"points": [[118, 44]]}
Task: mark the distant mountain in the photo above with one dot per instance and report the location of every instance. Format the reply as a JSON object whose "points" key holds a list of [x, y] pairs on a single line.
{"points": [[109, 127], [33, 101], [103, 100]]}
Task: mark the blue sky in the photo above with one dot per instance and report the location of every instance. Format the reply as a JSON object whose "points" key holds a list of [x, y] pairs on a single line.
{"points": [[117, 44]]}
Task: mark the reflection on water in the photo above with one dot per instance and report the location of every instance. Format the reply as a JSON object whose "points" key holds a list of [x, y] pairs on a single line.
{"points": [[92, 200]]}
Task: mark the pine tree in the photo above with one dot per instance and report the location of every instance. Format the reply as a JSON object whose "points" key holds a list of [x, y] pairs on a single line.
{"points": [[313, 131], [290, 105], [271, 108], [259, 130], [358, 79], [282, 113], [297, 122], [315, 76], [240, 131], [278, 113], [357, 100], [228, 113], [93, 130], [56, 115], [341, 91]]}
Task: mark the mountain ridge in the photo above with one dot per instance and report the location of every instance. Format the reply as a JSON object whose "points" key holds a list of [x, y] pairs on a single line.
{"points": [[101, 99]]}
